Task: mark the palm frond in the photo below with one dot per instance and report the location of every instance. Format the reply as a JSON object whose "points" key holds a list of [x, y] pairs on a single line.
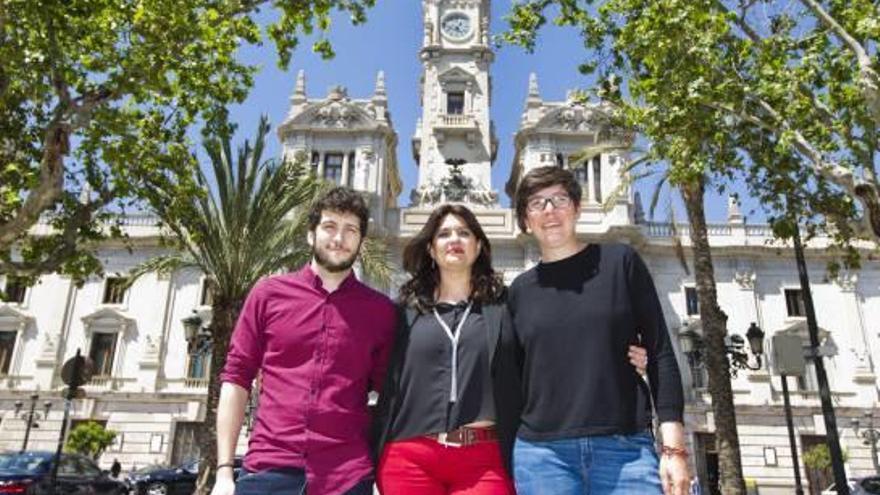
{"points": [[655, 195], [375, 261], [626, 181], [675, 237], [163, 264], [588, 152]]}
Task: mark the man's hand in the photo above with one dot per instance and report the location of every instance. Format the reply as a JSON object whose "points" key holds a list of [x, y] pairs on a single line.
{"points": [[675, 474], [224, 484]]}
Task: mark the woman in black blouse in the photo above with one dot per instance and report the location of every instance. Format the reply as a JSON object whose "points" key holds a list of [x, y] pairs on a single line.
{"points": [[451, 403]]}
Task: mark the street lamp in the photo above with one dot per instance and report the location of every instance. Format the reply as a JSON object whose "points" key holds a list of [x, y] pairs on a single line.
{"points": [[197, 337], [739, 360], [870, 436], [31, 416], [832, 439], [692, 346]]}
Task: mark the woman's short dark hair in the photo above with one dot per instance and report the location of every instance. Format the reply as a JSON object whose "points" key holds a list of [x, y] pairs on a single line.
{"points": [[541, 178], [486, 285], [342, 200]]}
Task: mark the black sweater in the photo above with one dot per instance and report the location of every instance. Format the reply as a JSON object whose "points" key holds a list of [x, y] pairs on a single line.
{"points": [[575, 319]]}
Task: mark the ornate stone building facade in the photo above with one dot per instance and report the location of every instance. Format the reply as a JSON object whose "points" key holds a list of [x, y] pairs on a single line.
{"points": [[150, 381]]}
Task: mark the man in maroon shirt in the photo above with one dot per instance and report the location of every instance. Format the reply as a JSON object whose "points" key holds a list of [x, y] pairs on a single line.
{"points": [[320, 340]]}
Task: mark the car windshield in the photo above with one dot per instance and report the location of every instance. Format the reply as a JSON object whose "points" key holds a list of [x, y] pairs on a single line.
{"points": [[192, 466], [27, 462]]}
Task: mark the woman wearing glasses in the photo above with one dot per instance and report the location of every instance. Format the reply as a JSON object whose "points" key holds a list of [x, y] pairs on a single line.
{"points": [[586, 420], [451, 403]]}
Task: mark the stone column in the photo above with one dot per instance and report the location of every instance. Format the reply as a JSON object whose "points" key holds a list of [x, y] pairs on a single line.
{"points": [[590, 196], [321, 164], [345, 159], [858, 345]]}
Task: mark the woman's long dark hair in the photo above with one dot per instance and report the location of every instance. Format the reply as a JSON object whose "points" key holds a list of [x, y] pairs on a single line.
{"points": [[486, 285]]}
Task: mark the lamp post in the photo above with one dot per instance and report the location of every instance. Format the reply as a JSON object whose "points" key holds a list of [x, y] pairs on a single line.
{"points": [[832, 439], [870, 436], [31, 417]]}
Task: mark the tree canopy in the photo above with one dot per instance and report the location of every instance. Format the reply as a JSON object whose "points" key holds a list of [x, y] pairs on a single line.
{"points": [[96, 98], [781, 94]]}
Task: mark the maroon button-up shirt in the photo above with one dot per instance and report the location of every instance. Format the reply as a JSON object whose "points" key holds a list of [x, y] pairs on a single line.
{"points": [[319, 353]]}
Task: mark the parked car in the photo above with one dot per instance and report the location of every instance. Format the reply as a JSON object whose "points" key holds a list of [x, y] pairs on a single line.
{"points": [[869, 485], [164, 480], [28, 472]]}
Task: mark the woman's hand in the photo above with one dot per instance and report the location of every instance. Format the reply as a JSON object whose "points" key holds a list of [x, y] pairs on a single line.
{"points": [[638, 357], [675, 474]]}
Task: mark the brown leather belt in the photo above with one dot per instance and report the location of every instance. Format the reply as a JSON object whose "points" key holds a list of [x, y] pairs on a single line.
{"points": [[465, 436]]}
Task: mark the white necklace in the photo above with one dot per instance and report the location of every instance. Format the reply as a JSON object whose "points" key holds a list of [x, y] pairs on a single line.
{"points": [[453, 337]]}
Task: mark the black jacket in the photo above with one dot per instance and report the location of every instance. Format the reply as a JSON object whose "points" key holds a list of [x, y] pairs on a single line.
{"points": [[505, 365]]}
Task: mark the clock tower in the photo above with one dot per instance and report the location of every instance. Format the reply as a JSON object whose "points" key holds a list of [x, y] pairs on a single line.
{"points": [[454, 143]]}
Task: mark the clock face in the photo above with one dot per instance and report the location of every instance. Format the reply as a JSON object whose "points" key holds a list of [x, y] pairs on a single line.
{"points": [[456, 25]]}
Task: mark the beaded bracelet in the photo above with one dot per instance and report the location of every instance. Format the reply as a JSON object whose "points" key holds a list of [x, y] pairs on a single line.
{"points": [[225, 464], [673, 451]]}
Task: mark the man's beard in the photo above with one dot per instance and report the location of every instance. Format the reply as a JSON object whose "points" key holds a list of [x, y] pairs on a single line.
{"points": [[330, 266]]}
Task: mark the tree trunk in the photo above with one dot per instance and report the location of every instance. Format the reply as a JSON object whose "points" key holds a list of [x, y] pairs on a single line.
{"points": [[714, 323], [223, 320], [48, 188]]}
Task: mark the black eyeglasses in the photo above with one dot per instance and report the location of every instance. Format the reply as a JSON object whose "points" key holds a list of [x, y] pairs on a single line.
{"points": [[538, 203]]}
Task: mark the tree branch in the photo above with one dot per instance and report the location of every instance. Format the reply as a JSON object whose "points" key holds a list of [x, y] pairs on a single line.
{"points": [[866, 194], [740, 22], [84, 104], [51, 182], [869, 81], [869, 225], [56, 144], [52, 261]]}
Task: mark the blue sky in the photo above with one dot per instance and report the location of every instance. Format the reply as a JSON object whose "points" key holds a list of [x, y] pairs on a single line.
{"points": [[390, 41]]}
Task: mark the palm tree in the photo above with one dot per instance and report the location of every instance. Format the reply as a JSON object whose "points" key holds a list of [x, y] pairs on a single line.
{"points": [[249, 223]]}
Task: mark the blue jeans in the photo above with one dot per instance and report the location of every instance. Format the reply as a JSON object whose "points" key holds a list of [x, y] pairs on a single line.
{"points": [[287, 481], [594, 465]]}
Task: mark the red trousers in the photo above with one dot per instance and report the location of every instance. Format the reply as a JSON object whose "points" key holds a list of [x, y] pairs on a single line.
{"points": [[424, 467]]}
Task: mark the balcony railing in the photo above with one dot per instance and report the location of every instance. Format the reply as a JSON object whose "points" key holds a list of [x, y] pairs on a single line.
{"points": [[195, 382], [456, 121]]}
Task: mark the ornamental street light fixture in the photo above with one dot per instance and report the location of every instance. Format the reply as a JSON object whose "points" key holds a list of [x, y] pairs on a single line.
{"points": [[198, 338], [31, 417], [870, 436], [693, 347]]}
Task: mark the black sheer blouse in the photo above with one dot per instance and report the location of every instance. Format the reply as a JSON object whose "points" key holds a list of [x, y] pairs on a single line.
{"points": [[431, 401]]}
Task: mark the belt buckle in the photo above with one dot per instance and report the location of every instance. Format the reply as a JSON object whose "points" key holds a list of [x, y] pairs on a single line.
{"points": [[443, 439]]}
